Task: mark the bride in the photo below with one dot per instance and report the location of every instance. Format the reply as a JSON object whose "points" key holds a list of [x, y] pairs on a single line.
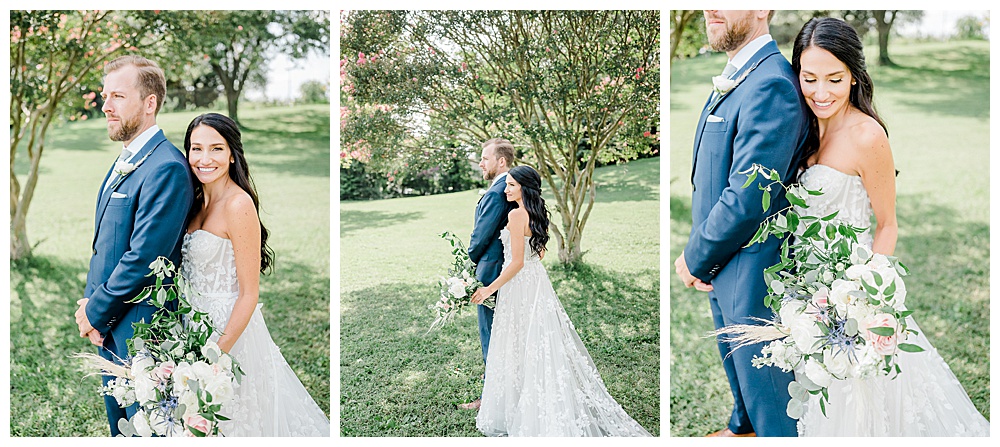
{"points": [[224, 251], [540, 379], [850, 160]]}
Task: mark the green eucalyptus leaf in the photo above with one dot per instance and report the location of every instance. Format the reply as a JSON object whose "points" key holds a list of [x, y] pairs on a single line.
{"points": [[883, 331], [750, 179], [909, 347], [765, 200]]}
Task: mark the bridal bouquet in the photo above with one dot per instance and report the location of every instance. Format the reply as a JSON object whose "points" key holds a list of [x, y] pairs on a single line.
{"points": [[458, 286], [840, 307], [178, 376]]}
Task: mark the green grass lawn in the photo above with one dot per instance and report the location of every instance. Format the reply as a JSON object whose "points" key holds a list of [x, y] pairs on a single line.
{"points": [[288, 150], [397, 381], [936, 105]]}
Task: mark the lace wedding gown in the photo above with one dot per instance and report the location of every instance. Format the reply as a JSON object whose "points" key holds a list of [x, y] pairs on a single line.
{"points": [[271, 400], [926, 399], [540, 379]]}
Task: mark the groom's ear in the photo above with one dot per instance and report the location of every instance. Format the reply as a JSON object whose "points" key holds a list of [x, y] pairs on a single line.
{"points": [[149, 104]]}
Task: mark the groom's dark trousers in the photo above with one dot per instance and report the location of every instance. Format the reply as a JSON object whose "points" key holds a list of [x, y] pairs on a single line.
{"points": [[139, 219], [762, 120], [486, 249]]}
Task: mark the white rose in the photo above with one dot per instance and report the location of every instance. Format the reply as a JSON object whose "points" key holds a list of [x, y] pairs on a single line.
{"points": [[804, 332], [145, 389], [859, 271], [839, 363], [456, 288], [815, 372], [869, 362], [202, 371], [828, 276], [840, 294], [221, 388]]}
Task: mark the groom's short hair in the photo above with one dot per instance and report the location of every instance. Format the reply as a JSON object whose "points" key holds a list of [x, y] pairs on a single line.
{"points": [[502, 149], [151, 80]]}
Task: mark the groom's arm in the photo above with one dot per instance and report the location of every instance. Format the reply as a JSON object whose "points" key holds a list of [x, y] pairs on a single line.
{"points": [[769, 130], [489, 220], [165, 199]]}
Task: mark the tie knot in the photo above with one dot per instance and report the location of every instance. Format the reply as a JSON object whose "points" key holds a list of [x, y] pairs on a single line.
{"points": [[729, 70], [126, 153]]}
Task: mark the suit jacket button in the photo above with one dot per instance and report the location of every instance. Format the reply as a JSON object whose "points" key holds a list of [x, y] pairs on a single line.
{"points": [[95, 251]]}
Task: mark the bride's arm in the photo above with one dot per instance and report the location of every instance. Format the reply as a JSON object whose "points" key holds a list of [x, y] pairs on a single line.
{"points": [[244, 232], [878, 173], [517, 221]]}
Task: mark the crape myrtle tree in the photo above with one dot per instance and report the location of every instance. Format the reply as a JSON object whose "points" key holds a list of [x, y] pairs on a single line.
{"points": [[570, 89], [56, 57]]}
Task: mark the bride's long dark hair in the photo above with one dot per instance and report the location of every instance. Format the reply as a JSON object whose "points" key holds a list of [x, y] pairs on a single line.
{"points": [[837, 37], [534, 204], [239, 172]]}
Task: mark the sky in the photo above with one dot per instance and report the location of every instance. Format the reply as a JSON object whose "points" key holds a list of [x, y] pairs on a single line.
{"points": [[286, 76], [938, 23]]}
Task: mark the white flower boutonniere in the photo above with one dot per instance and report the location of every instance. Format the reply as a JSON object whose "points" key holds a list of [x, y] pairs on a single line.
{"points": [[123, 168], [482, 192], [723, 85]]}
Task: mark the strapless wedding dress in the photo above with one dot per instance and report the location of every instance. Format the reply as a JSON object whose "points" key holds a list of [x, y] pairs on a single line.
{"points": [[540, 379], [926, 399], [271, 400]]}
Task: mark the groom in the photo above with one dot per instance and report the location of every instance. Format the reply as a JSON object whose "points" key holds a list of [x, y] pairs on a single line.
{"points": [[756, 116], [142, 208], [485, 248]]}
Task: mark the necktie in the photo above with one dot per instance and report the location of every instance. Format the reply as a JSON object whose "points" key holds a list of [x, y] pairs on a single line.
{"points": [[729, 70]]}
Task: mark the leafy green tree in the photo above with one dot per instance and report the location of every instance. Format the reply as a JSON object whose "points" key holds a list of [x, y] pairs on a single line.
{"points": [[687, 33], [882, 21], [972, 27], [237, 44], [56, 63], [314, 92], [569, 88]]}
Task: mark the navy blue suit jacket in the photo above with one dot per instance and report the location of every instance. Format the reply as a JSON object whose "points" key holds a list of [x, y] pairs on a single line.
{"points": [[132, 231], [763, 121], [485, 247]]}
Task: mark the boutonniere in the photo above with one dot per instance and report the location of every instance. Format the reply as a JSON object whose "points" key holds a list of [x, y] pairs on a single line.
{"points": [[123, 168], [482, 192], [723, 85]]}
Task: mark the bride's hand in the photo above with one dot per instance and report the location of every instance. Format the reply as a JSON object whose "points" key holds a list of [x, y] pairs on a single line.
{"points": [[480, 295]]}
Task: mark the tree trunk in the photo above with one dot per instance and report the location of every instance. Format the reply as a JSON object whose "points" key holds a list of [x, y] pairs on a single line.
{"points": [[883, 27], [680, 20]]}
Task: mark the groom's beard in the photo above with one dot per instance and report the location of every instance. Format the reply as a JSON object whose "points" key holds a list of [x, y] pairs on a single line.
{"points": [[127, 129], [734, 36]]}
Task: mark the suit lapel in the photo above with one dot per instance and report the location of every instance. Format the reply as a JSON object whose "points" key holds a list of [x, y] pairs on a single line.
{"points": [[105, 197], [764, 52]]}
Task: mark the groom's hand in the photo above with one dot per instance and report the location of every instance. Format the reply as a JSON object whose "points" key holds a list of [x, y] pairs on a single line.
{"points": [[81, 318], [680, 266], [95, 337]]}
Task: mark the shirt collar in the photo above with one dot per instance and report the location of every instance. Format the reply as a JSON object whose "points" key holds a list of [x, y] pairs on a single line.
{"points": [[745, 53], [141, 141], [498, 178]]}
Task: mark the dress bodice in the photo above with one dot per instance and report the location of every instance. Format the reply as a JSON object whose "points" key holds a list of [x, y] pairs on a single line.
{"points": [[208, 263], [843, 193], [529, 255]]}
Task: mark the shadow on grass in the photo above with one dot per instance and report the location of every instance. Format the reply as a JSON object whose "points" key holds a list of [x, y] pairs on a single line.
{"points": [[960, 73], [351, 221], [296, 299], [397, 380], [277, 143], [48, 392]]}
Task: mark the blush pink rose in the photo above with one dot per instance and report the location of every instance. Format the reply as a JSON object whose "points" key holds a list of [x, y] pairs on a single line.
{"points": [[197, 422], [883, 345], [163, 372]]}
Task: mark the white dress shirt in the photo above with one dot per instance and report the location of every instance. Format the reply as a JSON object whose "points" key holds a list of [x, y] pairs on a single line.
{"points": [[134, 148]]}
